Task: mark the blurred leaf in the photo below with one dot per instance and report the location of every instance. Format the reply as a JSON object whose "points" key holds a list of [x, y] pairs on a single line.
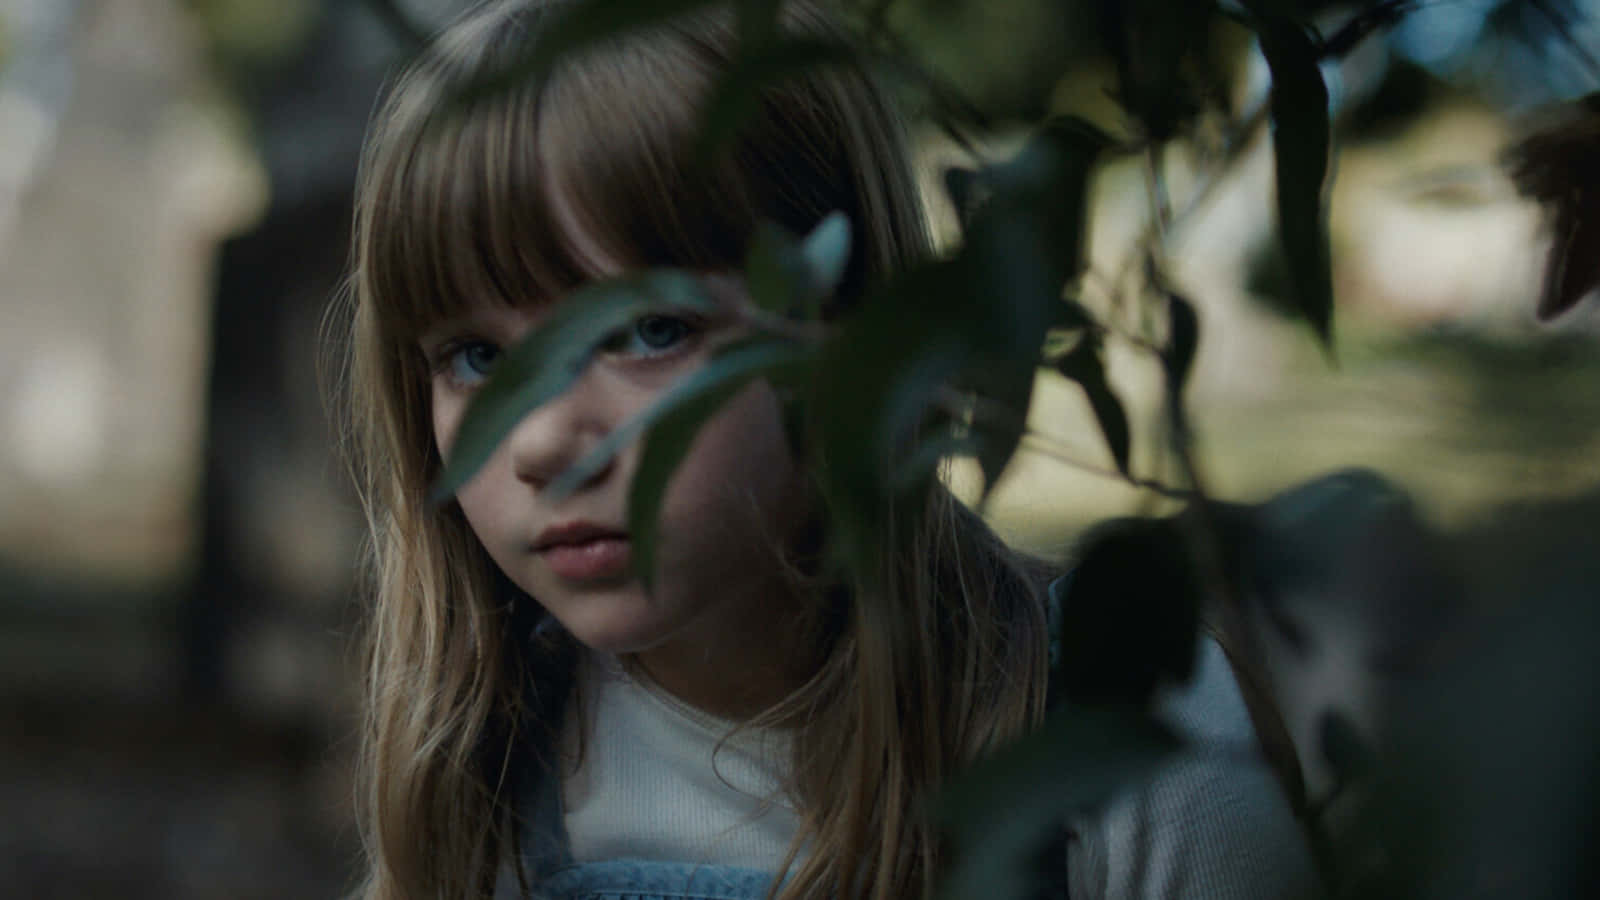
{"points": [[758, 19], [934, 450], [772, 268], [552, 357], [1342, 745], [738, 363], [1083, 365], [875, 383], [789, 277], [671, 425], [1301, 144], [961, 185], [1129, 613], [826, 251], [1001, 811], [1152, 40], [570, 27], [1006, 388], [736, 96], [1182, 343], [1003, 61], [1032, 221], [1024, 242], [1071, 315]]}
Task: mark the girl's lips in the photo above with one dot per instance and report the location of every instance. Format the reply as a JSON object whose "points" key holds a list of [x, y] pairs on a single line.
{"points": [[589, 560]]}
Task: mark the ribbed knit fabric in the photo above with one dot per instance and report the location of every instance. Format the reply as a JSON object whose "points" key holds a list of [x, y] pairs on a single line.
{"points": [[1213, 823], [657, 780]]}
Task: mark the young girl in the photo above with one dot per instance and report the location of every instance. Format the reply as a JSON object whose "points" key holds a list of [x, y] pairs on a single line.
{"points": [[539, 724]]}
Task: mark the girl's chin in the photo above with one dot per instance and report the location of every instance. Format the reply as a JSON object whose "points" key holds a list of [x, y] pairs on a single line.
{"points": [[615, 631]]}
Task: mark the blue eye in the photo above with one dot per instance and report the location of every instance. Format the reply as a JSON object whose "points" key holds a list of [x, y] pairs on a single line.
{"points": [[470, 363], [651, 335]]}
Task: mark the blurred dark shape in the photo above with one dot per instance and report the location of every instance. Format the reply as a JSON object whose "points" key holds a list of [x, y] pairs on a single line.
{"points": [[1492, 757], [266, 419], [1402, 93], [1130, 575], [1520, 53], [1557, 165], [1325, 597]]}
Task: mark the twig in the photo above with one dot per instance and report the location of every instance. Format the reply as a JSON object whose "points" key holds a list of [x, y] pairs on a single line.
{"points": [[988, 411], [1048, 446], [1156, 192]]}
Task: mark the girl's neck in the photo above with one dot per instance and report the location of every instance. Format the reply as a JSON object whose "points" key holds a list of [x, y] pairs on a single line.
{"points": [[734, 670]]}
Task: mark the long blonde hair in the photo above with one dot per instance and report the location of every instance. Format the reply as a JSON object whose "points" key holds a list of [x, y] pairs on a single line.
{"points": [[452, 204]]}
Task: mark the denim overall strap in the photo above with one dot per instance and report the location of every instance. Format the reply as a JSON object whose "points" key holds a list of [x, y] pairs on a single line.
{"points": [[552, 874], [627, 879]]}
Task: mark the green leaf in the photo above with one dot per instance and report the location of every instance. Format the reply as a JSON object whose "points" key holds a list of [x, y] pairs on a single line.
{"points": [[571, 27], [736, 363], [1072, 315], [552, 357], [736, 97], [826, 252], [962, 187], [1025, 240], [1007, 388], [925, 460], [758, 19], [1130, 614], [673, 424], [770, 269], [1152, 40], [876, 380], [788, 277], [1182, 342], [1000, 811], [1301, 145], [1083, 365]]}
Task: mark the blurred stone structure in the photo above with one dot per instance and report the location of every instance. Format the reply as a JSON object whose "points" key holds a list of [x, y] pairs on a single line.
{"points": [[177, 540]]}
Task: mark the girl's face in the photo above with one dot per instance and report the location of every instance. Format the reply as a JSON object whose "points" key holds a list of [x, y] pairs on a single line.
{"points": [[728, 509]]}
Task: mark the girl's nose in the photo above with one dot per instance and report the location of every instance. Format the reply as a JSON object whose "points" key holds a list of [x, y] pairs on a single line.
{"points": [[556, 435]]}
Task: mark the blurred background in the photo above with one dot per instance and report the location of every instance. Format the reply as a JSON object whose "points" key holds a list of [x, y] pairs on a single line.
{"points": [[178, 543]]}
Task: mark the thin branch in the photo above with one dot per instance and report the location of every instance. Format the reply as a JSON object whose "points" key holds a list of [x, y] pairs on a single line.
{"points": [[1156, 191], [987, 411], [1046, 445]]}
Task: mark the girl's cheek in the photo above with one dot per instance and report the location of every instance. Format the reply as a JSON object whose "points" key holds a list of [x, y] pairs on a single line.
{"points": [[446, 415]]}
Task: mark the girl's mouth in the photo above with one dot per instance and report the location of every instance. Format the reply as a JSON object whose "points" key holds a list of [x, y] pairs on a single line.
{"points": [[592, 559]]}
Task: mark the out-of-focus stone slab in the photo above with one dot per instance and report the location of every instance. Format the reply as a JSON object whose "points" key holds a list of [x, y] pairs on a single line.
{"points": [[104, 291]]}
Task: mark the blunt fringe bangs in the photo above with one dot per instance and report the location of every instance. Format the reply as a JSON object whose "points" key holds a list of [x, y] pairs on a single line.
{"points": [[521, 196]]}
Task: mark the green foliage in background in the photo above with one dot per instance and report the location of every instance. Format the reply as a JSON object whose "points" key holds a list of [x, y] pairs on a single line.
{"points": [[941, 360], [255, 33]]}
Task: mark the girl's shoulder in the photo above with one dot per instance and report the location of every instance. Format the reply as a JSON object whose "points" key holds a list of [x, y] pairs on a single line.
{"points": [[1213, 822]]}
